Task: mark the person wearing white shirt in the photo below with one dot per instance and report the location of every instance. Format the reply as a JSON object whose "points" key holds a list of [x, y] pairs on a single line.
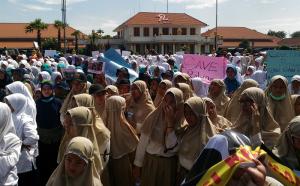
{"points": [[27, 131], [10, 148]]}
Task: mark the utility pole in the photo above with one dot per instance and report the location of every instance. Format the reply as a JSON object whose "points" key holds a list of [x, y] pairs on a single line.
{"points": [[167, 6], [64, 15], [216, 32]]}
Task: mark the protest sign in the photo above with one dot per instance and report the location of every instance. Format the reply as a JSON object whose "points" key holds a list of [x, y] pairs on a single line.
{"points": [[96, 66], [116, 57], [95, 54], [204, 66], [50, 53], [283, 62], [126, 53], [110, 69]]}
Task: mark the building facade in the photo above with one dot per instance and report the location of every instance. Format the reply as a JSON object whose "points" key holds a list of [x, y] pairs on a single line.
{"points": [[162, 32]]}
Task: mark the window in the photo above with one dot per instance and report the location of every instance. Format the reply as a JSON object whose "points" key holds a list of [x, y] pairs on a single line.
{"points": [[165, 31], [183, 31], [174, 31], [146, 32], [136, 31], [155, 31], [193, 31]]}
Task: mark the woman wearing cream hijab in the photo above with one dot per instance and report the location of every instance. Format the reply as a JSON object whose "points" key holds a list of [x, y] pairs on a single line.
{"points": [[163, 86], [279, 101], [216, 92], [156, 151], [296, 104], [186, 90], [288, 146], [140, 105], [78, 165], [219, 122], [195, 136], [123, 141], [232, 109], [255, 120], [80, 121]]}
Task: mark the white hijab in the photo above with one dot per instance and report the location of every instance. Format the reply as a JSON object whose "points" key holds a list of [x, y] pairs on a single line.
{"points": [[19, 87], [6, 124], [20, 104]]}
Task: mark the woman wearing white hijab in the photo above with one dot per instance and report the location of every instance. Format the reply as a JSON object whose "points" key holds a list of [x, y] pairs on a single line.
{"points": [[19, 87], [56, 77], [44, 76], [10, 147], [27, 132]]}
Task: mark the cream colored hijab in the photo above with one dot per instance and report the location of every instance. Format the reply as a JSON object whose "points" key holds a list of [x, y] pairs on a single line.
{"points": [[221, 100], [123, 138], [66, 104], [267, 126], [195, 137], [155, 124], [220, 123], [186, 90], [85, 121], [159, 98], [83, 148], [284, 148], [282, 111], [142, 107], [232, 109], [294, 99]]}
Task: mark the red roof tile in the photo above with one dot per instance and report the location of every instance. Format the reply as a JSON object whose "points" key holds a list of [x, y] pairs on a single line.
{"points": [[155, 18]]}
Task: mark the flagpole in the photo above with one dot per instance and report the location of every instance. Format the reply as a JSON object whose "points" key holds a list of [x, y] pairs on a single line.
{"points": [[216, 33], [167, 6]]}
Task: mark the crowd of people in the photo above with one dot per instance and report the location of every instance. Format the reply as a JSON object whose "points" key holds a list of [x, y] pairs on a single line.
{"points": [[61, 125]]}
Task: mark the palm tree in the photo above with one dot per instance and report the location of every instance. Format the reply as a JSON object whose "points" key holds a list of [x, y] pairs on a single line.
{"points": [[58, 25], [76, 34], [37, 25]]}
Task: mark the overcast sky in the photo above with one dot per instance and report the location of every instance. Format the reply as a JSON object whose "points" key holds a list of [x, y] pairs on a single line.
{"points": [[86, 15]]}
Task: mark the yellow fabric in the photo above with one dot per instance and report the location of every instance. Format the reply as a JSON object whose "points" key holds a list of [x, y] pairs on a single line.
{"points": [[195, 137], [85, 121], [265, 124], [221, 173], [123, 137], [82, 147], [221, 100], [233, 107], [282, 111], [159, 98], [142, 107]]}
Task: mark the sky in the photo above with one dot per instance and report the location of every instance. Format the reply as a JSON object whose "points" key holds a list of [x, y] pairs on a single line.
{"points": [[85, 15]]}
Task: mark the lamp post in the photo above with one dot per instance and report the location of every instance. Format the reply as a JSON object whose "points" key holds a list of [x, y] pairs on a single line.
{"points": [[64, 14], [167, 6], [216, 32]]}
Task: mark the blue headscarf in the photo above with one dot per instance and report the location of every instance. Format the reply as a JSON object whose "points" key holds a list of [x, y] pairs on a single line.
{"points": [[231, 84]]}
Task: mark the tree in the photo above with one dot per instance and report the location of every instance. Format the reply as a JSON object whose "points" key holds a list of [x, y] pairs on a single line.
{"points": [[245, 44], [76, 34], [36, 25], [106, 37], [100, 32], [58, 25], [49, 43], [295, 34], [279, 34]]}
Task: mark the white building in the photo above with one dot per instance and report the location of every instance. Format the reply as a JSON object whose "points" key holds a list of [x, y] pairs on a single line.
{"points": [[163, 32]]}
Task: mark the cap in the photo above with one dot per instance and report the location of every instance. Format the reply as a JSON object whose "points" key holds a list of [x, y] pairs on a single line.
{"points": [[96, 88]]}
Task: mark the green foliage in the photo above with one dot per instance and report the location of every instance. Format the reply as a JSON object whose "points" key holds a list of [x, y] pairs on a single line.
{"points": [[279, 34], [245, 44], [49, 44], [36, 25], [295, 34]]}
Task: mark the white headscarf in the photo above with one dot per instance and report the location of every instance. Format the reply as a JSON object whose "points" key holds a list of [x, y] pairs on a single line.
{"points": [[45, 75], [54, 76], [20, 104], [7, 125], [200, 86], [19, 87]]}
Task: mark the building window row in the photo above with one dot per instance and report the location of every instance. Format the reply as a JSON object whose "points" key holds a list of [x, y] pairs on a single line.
{"points": [[165, 31]]}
